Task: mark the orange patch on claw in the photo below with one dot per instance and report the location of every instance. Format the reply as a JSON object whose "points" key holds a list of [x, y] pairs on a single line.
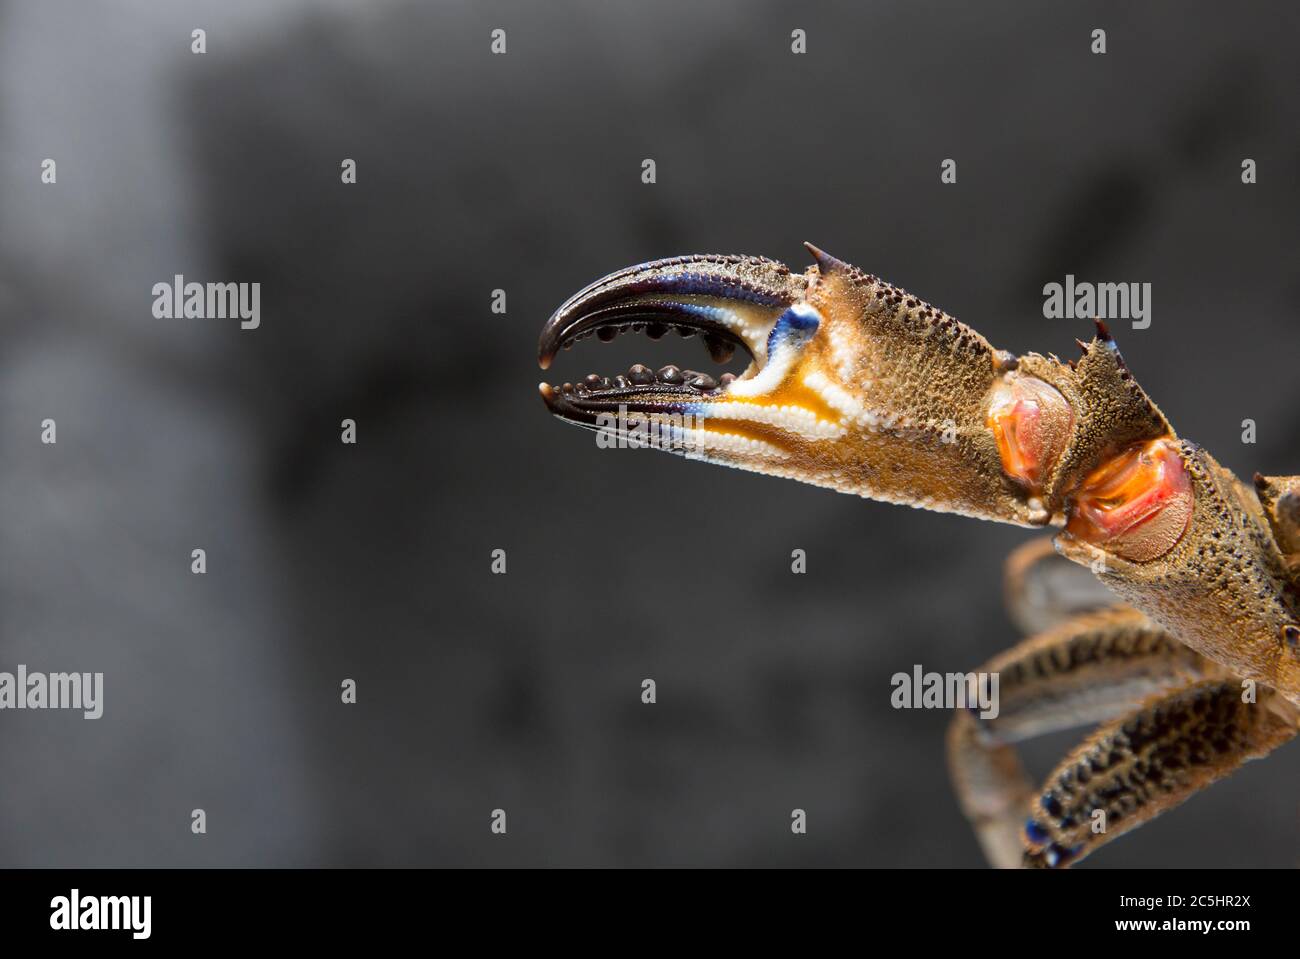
{"points": [[1031, 421], [1136, 505]]}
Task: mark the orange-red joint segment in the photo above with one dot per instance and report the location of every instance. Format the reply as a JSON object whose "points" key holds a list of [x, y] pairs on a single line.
{"points": [[1031, 422], [1136, 505]]}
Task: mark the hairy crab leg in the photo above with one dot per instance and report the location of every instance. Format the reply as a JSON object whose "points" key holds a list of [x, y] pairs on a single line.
{"points": [[1135, 768], [1085, 670]]}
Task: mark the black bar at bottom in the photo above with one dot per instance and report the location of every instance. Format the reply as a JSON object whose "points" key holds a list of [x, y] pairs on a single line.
{"points": [[992, 910]]}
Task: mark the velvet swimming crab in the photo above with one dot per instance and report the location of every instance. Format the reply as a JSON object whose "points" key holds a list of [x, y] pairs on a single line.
{"points": [[1189, 659]]}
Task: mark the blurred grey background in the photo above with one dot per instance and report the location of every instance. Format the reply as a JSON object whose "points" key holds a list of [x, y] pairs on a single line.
{"points": [[522, 172]]}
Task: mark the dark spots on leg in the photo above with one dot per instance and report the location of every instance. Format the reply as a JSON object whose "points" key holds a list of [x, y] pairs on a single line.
{"points": [[1036, 833]]}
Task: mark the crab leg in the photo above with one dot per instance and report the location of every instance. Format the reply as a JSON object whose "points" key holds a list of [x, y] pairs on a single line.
{"points": [[1133, 769], [1087, 669], [1041, 588]]}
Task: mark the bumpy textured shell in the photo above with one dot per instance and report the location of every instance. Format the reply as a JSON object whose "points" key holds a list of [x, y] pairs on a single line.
{"points": [[922, 378], [1225, 589]]}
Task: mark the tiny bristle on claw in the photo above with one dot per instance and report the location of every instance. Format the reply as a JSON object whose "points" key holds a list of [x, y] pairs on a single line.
{"points": [[1103, 331]]}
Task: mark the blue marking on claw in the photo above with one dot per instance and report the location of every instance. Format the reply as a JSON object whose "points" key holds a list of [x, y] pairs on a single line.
{"points": [[703, 284], [717, 314], [794, 327]]}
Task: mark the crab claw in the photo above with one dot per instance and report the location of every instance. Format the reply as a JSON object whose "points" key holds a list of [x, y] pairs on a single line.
{"points": [[729, 301], [733, 299], [853, 384]]}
